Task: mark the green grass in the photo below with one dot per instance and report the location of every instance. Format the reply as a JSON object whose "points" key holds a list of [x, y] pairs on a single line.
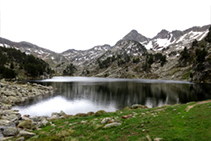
{"points": [[171, 123]]}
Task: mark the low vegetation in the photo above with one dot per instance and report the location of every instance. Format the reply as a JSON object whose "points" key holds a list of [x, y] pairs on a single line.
{"points": [[189, 121]]}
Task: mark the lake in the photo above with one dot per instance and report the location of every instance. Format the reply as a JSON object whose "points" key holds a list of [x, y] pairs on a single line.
{"points": [[83, 94]]}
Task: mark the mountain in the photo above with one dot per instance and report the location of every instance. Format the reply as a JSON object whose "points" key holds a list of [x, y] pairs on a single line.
{"points": [[47, 55], [170, 41], [134, 35], [125, 48], [176, 39], [15, 64], [82, 57], [133, 56]]}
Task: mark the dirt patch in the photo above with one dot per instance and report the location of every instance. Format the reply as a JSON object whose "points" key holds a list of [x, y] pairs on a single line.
{"points": [[191, 106]]}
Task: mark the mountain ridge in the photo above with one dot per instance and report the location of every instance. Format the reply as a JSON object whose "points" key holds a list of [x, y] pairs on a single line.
{"points": [[132, 35], [133, 45]]}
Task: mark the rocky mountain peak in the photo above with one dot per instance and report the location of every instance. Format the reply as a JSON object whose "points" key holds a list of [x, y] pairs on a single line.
{"points": [[134, 35], [163, 34]]}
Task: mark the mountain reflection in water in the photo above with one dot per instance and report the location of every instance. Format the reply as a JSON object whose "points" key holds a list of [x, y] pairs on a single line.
{"points": [[78, 94]]}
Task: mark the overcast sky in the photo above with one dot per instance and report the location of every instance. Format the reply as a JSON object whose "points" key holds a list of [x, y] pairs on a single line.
{"points": [[59, 25]]}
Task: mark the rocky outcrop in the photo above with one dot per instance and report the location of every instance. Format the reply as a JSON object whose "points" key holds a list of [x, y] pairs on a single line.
{"points": [[11, 122], [134, 35], [12, 93]]}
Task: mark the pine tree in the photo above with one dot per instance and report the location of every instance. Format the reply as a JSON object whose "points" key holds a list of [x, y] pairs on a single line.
{"points": [[208, 37]]}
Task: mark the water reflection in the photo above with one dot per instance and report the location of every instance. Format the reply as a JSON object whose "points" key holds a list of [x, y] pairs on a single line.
{"points": [[112, 95], [128, 93]]}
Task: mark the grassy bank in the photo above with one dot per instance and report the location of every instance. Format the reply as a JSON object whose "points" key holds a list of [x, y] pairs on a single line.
{"points": [[191, 121]]}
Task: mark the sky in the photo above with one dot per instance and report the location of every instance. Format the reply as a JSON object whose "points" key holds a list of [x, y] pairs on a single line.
{"points": [[60, 25]]}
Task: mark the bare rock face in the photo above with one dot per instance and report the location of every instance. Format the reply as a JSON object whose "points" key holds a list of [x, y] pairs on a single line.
{"points": [[10, 131], [163, 34], [134, 35]]}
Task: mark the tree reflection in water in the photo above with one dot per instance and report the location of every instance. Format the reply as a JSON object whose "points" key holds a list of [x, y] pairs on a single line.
{"points": [[119, 94]]}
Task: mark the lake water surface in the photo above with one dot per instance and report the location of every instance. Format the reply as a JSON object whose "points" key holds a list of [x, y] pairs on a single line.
{"points": [[82, 94]]}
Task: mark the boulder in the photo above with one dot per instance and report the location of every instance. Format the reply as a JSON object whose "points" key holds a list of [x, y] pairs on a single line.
{"points": [[112, 125], [5, 138], [62, 113], [105, 120], [2, 128], [90, 113], [10, 131], [98, 113], [81, 115], [13, 99], [44, 122], [53, 117], [10, 93], [11, 117], [6, 106], [135, 106], [1, 135], [4, 99], [158, 139], [20, 139], [26, 134], [27, 124], [4, 122], [127, 116], [55, 114], [35, 119]]}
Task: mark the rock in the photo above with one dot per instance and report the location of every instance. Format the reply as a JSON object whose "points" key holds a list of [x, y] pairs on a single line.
{"points": [[135, 106], [127, 116], [81, 115], [9, 93], [55, 114], [4, 99], [5, 138], [13, 99], [105, 120], [53, 117], [98, 113], [44, 122], [84, 121], [27, 124], [25, 118], [10, 131], [26, 134], [53, 125], [6, 106], [62, 113], [124, 117], [112, 125], [4, 122], [36, 119], [20, 139], [97, 126], [11, 117], [148, 138], [158, 139], [126, 108], [1, 135], [90, 113]]}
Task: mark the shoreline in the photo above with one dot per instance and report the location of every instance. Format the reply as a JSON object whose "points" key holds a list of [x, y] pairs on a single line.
{"points": [[13, 124], [13, 93]]}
